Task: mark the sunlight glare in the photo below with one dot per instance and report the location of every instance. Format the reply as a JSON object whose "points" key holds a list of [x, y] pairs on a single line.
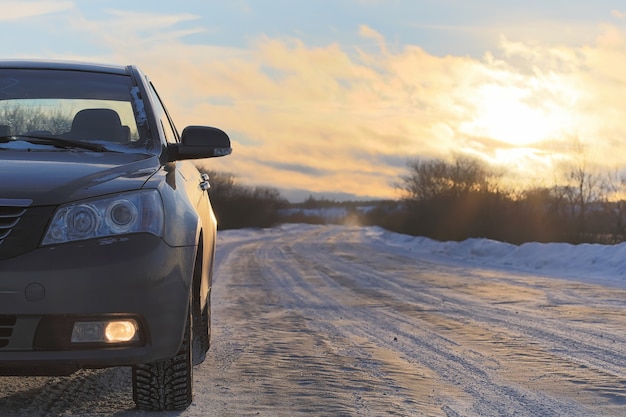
{"points": [[504, 113]]}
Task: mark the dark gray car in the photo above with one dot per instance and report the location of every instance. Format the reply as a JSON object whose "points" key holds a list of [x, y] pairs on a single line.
{"points": [[107, 235]]}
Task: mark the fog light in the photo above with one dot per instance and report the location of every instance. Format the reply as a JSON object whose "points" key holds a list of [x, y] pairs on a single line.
{"points": [[121, 331], [111, 331]]}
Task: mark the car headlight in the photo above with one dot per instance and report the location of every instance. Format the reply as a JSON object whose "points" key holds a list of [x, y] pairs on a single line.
{"points": [[132, 212]]}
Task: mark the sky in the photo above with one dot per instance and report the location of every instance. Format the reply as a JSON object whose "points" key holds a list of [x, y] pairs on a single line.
{"points": [[333, 98]]}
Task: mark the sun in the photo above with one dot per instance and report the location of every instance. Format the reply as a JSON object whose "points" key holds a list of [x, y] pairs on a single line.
{"points": [[506, 114], [515, 124]]}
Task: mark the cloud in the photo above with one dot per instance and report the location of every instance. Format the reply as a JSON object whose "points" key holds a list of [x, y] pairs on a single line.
{"points": [[339, 119], [17, 10], [124, 30], [287, 167], [142, 21], [369, 33]]}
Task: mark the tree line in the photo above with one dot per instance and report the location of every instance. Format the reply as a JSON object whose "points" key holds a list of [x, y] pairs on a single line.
{"points": [[35, 119], [464, 198]]}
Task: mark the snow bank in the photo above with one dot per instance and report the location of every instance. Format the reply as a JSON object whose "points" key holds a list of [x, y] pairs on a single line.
{"points": [[605, 264]]}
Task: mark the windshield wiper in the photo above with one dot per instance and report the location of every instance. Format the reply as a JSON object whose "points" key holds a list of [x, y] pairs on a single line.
{"points": [[55, 141]]}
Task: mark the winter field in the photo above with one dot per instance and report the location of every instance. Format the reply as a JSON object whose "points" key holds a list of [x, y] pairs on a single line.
{"points": [[348, 321]]}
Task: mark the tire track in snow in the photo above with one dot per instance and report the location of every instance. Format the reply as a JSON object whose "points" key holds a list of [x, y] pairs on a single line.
{"points": [[308, 271], [437, 353], [87, 392]]}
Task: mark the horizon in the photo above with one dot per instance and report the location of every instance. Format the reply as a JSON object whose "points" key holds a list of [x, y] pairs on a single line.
{"points": [[334, 98]]}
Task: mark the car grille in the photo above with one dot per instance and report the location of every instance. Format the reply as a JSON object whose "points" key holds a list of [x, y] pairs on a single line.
{"points": [[9, 217], [7, 323], [21, 226]]}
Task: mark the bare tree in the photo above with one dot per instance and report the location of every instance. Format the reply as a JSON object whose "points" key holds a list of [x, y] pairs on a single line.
{"points": [[584, 185], [428, 179], [615, 206]]}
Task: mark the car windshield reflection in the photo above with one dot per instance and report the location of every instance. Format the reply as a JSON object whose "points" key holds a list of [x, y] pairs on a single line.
{"points": [[70, 119]]}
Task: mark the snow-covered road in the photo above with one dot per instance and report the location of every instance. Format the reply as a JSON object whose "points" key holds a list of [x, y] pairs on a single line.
{"points": [[332, 321]]}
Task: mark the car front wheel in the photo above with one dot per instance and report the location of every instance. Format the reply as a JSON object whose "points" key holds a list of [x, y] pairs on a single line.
{"points": [[166, 385]]}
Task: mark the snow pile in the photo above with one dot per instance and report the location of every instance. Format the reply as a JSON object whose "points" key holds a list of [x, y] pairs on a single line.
{"points": [[595, 263]]}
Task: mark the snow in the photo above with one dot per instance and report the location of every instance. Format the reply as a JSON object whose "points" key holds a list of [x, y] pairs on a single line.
{"points": [[591, 263], [311, 320], [472, 328]]}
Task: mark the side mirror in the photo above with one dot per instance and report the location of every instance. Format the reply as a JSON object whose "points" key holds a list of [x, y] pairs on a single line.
{"points": [[198, 142]]}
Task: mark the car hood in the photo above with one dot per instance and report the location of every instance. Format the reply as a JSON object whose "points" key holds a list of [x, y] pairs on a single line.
{"points": [[51, 178]]}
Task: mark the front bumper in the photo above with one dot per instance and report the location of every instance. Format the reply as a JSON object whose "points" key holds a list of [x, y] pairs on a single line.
{"points": [[45, 290]]}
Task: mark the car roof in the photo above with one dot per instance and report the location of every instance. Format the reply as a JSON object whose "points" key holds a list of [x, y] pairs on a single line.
{"points": [[63, 65]]}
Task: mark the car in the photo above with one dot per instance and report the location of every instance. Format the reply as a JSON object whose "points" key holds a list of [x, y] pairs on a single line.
{"points": [[107, 234]]}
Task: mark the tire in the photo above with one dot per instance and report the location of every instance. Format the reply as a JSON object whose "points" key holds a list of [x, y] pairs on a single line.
{"points": [[166, 385]]}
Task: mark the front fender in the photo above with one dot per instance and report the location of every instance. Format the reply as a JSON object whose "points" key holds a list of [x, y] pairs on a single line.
{"points": [[182, 223], [189, 218]]}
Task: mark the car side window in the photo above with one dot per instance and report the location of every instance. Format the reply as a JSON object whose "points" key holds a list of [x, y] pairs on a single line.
{"points": [[167, 125]]}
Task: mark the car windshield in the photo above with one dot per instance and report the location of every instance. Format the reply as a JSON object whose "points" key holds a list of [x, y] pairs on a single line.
{"points": [[71, 106]]}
